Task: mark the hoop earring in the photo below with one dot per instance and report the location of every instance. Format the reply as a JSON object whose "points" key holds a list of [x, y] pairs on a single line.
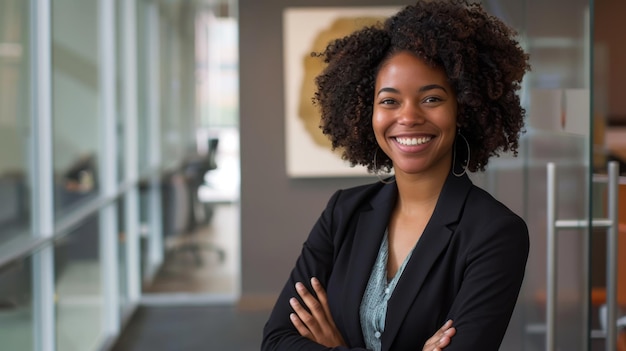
{"points": [[378, 175], [465, 162]]}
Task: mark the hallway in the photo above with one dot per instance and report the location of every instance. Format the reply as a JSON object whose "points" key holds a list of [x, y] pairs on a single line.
{"points": [[207, 328]]}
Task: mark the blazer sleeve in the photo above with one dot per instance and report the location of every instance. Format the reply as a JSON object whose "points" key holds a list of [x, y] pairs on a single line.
{"points": [[315, 260], [492, 278]]}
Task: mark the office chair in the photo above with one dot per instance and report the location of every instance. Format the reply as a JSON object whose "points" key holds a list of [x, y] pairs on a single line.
{"points": [[196, 213]]}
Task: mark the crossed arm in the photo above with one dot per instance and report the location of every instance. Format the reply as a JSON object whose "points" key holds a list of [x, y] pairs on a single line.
{"points": [[316, 323]]}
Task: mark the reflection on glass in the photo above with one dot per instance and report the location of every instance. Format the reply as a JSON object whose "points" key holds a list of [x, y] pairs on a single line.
{"points": [[14, 119], [142, 88], [609, 144], [144, 219], [78, 288], [120, 37], [121, 258], [173, 117], [75, 94], [16, 315], [217, 60], [556, 96]]}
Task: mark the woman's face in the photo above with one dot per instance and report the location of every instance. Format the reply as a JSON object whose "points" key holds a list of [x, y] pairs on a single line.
{"points": [[414, 117]]}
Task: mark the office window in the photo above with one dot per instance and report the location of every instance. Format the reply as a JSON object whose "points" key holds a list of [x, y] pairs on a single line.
{"points": [[78, 287], [16, 313], [15, 116], [144, 77], [217, 56], [75, 101], [122, 258]]}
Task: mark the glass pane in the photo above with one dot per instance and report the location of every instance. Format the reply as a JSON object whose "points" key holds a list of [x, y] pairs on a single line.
{"points": [[609, 144], [14, 120], [16, 313], [218, 70], [78, 288], [122, 257], [556, 96], [143, 77], [75, 101], [172, 120], [120, 84], [144, 220]]}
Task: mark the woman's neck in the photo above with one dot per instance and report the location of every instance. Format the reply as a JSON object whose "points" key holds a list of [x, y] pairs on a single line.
{"points": [[417, 192]]}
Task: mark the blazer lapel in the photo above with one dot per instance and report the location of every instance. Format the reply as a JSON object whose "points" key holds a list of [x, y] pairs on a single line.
{"points": [[431, 244], [370, 228]]}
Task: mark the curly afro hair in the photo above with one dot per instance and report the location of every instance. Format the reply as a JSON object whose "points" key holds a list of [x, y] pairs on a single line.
{"points": [[483, 62]]}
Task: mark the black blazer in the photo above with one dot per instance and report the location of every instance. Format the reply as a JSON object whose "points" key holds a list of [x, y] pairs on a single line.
{"points": [[467, 266]]}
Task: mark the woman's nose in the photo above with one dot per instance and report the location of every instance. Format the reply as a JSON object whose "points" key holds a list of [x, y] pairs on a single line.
{"points": [[411, 115]]}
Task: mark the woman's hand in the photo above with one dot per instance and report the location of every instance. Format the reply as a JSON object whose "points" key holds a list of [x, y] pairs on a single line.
{"points": [[318, 324], [441, 338]]}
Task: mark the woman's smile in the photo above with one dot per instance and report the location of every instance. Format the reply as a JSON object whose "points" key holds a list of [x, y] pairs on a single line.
{"points": [[408, 141]]}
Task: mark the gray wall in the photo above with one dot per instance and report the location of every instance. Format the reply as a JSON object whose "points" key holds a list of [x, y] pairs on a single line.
{"points": [[277, 212]]}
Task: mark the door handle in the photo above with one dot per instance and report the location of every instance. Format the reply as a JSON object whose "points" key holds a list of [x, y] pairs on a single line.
{"points": [[554, 225]]}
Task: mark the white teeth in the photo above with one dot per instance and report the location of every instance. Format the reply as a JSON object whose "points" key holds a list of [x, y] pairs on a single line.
{"points": [[413, 141]]}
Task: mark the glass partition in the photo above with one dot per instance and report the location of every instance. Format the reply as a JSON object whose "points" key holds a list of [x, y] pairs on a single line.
{"points": [[122, 258], [75, 101], [142, 88], [16, 313], [120, 82], [609, 145], [552, 311], [15, 112], [79, 266], [79, 296]]}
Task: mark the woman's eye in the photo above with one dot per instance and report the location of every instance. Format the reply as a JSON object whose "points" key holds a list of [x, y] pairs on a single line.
{"points": [[432, 99], [387, 101]]}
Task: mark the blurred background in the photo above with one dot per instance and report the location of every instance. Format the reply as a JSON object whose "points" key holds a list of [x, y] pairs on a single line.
{"points": [[145, 202]]}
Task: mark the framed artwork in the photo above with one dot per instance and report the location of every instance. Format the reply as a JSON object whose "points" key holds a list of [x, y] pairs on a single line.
{"points": [[306, 30]]}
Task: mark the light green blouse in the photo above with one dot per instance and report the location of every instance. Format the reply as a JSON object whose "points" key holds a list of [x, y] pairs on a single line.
{"points": [[379, 289]]}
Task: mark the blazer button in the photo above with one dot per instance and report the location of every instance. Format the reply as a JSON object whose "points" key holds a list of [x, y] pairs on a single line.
{"points": [[377, 335]]}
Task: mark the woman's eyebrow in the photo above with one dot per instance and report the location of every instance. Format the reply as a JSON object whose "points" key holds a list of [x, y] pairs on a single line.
{"points": [[431, 87], [421, 90], [387, 90]]}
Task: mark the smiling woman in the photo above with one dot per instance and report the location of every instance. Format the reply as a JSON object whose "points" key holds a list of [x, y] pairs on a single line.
{"points": [[424, 259]]}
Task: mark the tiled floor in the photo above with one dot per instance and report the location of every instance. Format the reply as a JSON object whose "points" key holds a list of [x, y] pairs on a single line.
{"points": [[205, 261], [206, 328]]}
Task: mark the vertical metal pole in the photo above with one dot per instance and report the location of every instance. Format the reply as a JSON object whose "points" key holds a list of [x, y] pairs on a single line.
{"points": [[586, 268], [131, 198], [155, 244], [108, 170], [551, 274], [611, 258], [41, 174]]}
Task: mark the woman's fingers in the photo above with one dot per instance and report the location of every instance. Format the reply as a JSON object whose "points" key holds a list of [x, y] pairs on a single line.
{"points": [[441, 338], [312, 317], [304, 316], [314, 305], [323, 299], [300, 327]]}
